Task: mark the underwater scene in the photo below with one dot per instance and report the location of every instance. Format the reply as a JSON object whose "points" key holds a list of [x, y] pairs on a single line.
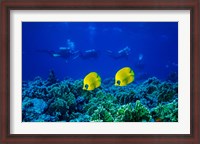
{"points": [[99, 71]]}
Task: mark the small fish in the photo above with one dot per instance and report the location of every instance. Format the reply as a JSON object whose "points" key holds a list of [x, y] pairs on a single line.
{"points": [[91, 81], [124, 76]]}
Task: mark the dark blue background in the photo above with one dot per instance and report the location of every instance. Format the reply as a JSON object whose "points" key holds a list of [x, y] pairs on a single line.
{"points": [[156, 41]]}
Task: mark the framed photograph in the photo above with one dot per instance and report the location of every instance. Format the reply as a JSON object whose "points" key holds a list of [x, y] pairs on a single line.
{"points": [[100, 71]]}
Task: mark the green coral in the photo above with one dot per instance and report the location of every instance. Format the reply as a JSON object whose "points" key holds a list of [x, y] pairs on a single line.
{"points": [[166, 92], [62, 91], [141, 113], [148, 88], [77, 87], [101, 115], [127, 114], [125, 97], [166, 113], [69, 98], [59, 108], [57, 90], [103, 99]]}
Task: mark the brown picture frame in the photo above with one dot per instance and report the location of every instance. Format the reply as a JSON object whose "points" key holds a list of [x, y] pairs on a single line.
{"points": [[192, 5]]}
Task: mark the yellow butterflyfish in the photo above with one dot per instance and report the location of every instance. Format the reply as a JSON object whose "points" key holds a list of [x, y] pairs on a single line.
{"points": [[91, 81], [124, 76]]}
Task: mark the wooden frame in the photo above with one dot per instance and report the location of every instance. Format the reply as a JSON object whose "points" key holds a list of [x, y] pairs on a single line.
{"points": [[6, 6]]}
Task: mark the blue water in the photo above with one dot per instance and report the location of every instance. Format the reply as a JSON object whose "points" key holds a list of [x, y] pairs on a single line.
{"points": [[155, 42]]}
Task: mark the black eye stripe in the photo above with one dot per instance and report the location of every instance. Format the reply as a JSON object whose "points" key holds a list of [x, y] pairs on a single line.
{"points": [[118, 82], [86, 86]]}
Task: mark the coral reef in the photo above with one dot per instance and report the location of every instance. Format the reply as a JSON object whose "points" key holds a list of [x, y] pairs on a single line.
{"points": [[101, 115], [51, 79], [125, 113], [166, 113], [51, 100], [137, 114], [32, 108]]}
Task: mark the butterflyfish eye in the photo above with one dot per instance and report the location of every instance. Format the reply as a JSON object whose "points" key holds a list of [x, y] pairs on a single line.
{"points": [[86, 86], [118, 82]]}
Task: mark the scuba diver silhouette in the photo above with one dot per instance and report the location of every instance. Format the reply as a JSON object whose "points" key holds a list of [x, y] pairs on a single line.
{"points": [[140, 63], [66, 53], [87, 54], [123, 53], [70, 53]]}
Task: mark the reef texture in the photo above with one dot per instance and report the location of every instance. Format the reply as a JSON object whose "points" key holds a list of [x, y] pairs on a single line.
{"points": [[52, 101]]}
